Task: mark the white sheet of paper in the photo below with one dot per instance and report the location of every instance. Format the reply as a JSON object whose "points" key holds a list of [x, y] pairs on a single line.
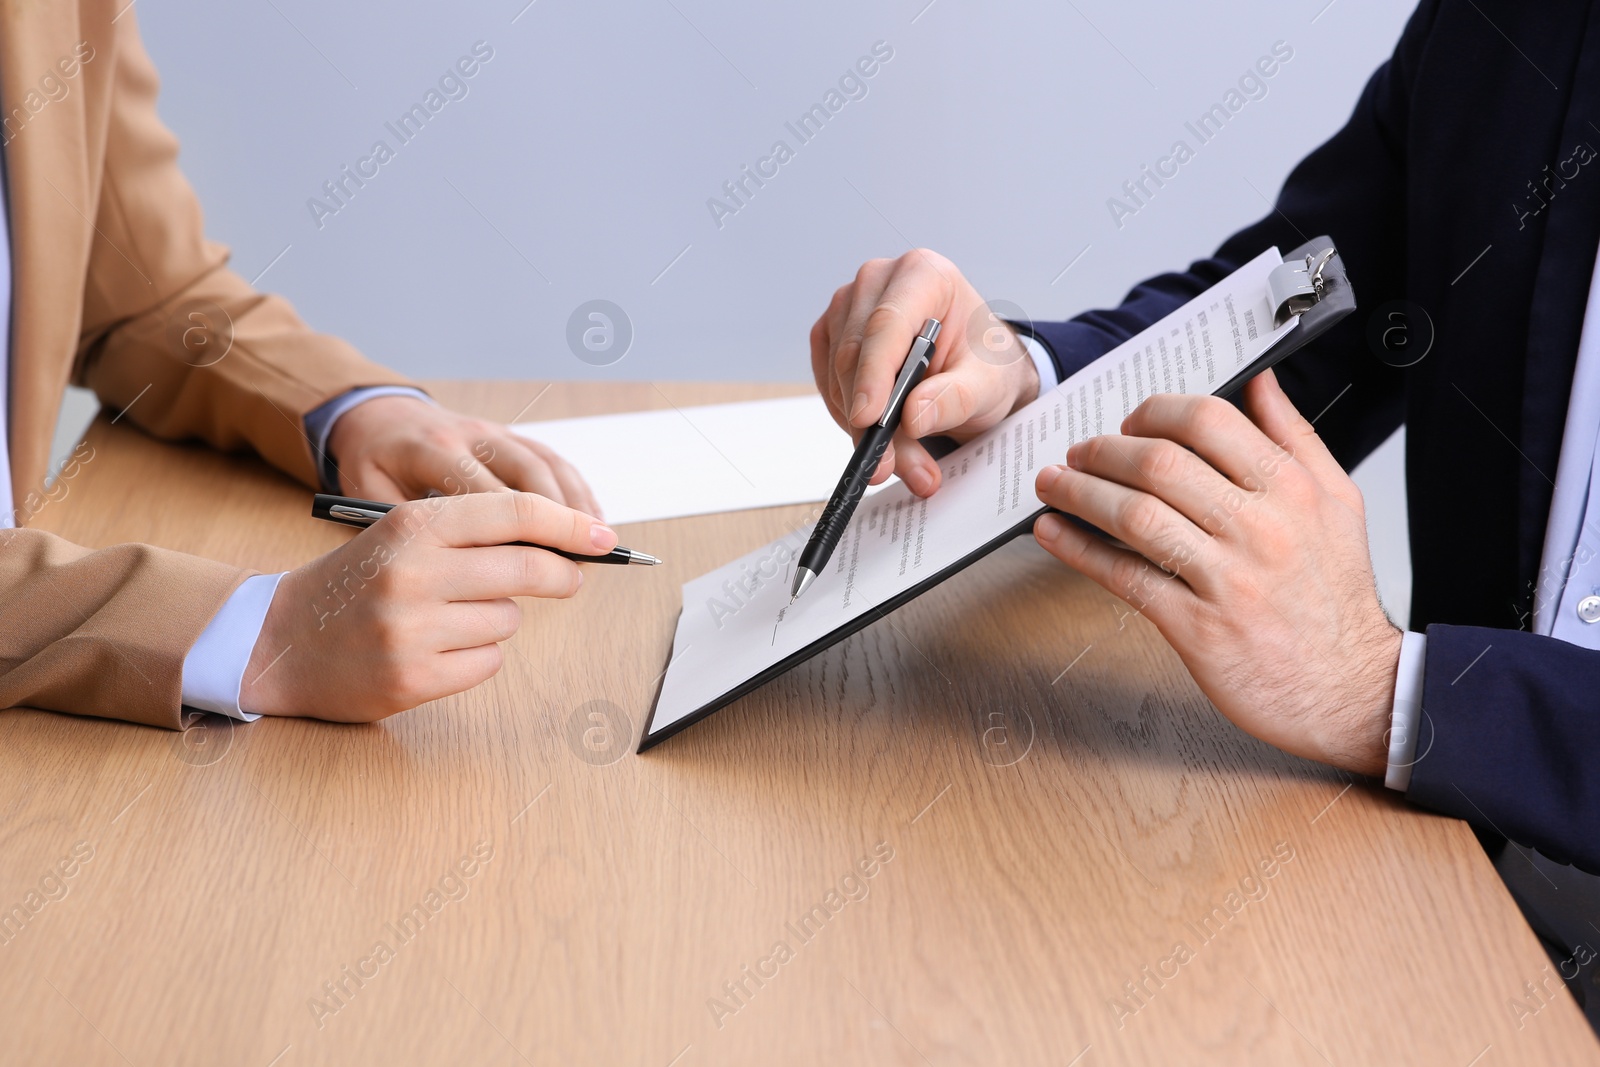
{"points": [[646, 465], [737, 621]]}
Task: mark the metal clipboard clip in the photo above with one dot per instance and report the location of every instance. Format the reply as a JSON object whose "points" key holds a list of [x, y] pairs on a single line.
{"points": [[1294, 288]]}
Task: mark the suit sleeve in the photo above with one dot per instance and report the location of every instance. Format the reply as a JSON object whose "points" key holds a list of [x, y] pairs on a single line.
{"points": [[168, 328], [102, 632], [1352, 188], [1509, 734], [1509, 728]]}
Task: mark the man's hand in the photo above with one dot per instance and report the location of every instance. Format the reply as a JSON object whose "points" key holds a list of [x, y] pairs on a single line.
{"points": [[1250, 558], [396, 448], [413, 608], [858, 344]]}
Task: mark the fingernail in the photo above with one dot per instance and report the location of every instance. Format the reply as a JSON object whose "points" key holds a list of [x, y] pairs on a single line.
{"points": [[1047, 479], [1075, 457], [918, 480], [1049, 527], [860, 405], [602, 537]]}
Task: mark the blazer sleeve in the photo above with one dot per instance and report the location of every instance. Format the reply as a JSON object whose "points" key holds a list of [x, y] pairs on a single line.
{"points": [[167, 327], [1509, 733], [1352, 188], [102, 632]]}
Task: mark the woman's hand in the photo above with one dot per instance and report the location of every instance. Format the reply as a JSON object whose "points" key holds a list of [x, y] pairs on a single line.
{"points": [[414, 607], [395, 448]]}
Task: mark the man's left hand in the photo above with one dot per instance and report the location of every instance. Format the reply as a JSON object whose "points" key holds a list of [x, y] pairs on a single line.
{"points": [[1249, 553], [396, 448]]}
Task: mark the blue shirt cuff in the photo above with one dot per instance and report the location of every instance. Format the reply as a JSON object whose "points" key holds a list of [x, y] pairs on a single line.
{"points": [[319, 424], [213, 671]]}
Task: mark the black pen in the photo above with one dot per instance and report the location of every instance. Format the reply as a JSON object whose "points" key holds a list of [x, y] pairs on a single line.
{"points": [[858, 474], [355, 512]]}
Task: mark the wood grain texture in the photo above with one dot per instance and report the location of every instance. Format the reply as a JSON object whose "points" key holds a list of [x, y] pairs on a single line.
{"points": [[1059, 807]]}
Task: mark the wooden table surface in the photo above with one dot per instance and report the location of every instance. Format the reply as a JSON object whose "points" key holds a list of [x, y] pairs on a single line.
{"points": [[1001, 826]]}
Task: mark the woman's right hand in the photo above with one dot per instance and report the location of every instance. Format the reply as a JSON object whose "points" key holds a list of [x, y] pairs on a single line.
{"points": [[414, 607]]}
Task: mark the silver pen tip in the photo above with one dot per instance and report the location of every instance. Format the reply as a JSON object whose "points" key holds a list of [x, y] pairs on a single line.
{"points": [[643, 557], [802, 578]]}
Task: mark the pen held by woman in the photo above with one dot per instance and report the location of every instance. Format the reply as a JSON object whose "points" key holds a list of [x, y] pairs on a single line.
{"points": [[351, 511]]}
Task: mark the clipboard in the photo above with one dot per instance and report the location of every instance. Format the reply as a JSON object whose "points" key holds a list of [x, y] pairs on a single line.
{"points": [[1310, 283]]}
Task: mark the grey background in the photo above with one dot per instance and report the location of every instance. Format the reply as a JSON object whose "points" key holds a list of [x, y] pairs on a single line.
{"points": [[579, 164]]}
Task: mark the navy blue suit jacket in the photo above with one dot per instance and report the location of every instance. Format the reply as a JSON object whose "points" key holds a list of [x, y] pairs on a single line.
{"points": [[1445, 157]]}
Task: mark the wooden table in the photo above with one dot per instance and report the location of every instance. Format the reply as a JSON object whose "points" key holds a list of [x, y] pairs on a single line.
{"points": [[1052, 816]]}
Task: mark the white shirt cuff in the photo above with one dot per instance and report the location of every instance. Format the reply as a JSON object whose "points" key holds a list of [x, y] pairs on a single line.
{"points": [[1041, 360], [1405, 720], [213, 671]]}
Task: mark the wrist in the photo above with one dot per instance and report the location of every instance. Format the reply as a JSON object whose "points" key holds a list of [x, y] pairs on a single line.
{"points": [[1359, 738], [1025, 388], [265, 688], [367, 419]]}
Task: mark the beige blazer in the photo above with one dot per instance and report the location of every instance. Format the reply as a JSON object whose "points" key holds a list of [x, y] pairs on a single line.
{"points": [[107, 252]]}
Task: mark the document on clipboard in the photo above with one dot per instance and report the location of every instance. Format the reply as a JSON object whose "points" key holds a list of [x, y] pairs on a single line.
{"points": [[737, 628]]}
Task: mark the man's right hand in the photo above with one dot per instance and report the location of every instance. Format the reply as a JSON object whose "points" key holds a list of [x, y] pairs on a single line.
{"points": [[414, 607], [979, 374]]}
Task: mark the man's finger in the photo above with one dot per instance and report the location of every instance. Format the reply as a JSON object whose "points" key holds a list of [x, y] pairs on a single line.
{"points": [[919, 470], [1270, 408], [919, 290], [1165, 469], [865, 293], [950, 401], [499, 519], [1123, 574], [886, 466], [822, 369], [1142, 521], [1216, 430], [824, 339]]}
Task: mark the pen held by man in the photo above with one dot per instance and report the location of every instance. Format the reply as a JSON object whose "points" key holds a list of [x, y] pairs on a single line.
{"points": [[863, 464]]}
